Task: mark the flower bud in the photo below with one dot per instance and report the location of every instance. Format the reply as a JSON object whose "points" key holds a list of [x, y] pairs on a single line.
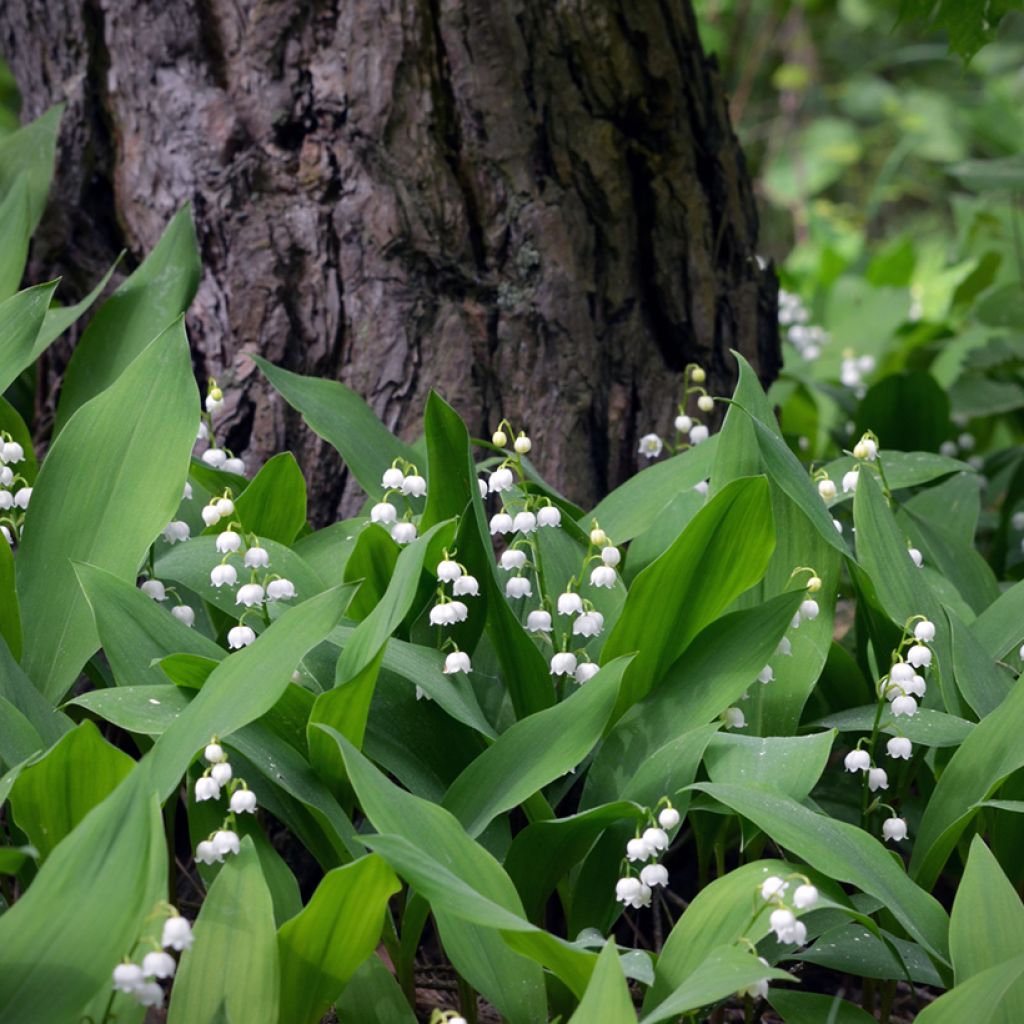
{"points": [[705, 403], [683, 424], [499, 439], [598, 537], [668, 818], [827, 490], [215, 457], [184, 614], [805, 896], [916, 557], [214, 753], [772, 887], [697, 375], [210, 515], [611, 556], [814, 584], [698, 434], [523, 444], [850, 481]]}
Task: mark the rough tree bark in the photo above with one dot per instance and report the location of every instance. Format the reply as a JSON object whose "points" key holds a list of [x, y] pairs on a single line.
{"points": [[536, 206]]}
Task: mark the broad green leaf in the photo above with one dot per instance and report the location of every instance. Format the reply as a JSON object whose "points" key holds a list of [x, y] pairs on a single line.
{"points": [[373, 994], [515, 986], [53, 795], [15, 234], [985, 758], [245, 685], [231, 972], [123, 489], [320, 949], [811, 1008], [338, 415], [636, 505], [724, 550], [1000, 627], [607, 997], [85, 909], [986, 927], [372, 564], [928, 727], [726, 970], [978, 998], [142, 308], [13, 857], [145, 710], [792, 764], [535, 751], [19, 739], [10, 613], [135, 630], [852, 949], [21, 316], [842, 851], [902, 469], [884, 410], [452, 475], [273, 506], [18, 691], [327, 551], [977, 676], [29, 152], [60, 318]]}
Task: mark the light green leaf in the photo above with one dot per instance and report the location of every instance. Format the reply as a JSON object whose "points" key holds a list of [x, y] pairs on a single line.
{"points": [[339, 928], [811, 1008], [1000, 627], [372, 994], [15, 234], [10, 613], [21, 316], [16, 688], [607, 997], [792, 764], [978, 998], [273, 506], [142, 308], [29, 151], [60, 318], [145, 710], [231, 972], [123, 490], [928, 727]]}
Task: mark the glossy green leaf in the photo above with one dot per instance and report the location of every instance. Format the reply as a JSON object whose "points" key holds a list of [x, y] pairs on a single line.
{"points": [[985, 758], [339, 928], [19, 739], [29, 152], [231, 971], [53, 795], [513, 985], [123, 490], [811, 1008], [142, 308], [10, 613], [851, 949], [978, 998], [977, 676], [21, 317], [607, 997], [987, 927], [60, 318], [145, 710], [792, 764], [273, 506], [15, 234], [338, 415], [85, 909], [928, 727], [16, 688], [724, 550], [842, 851], [535, 751], [1000, 627]]}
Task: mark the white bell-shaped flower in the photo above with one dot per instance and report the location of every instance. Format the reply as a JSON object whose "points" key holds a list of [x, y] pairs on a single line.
{"points": [[570, 603], [6, 476], [149, 994], [207, 789], [916, 557], [280, 590], [585, 671], [759, 989], [403, 533], [539, 621], [226, 507], [785, 646], [865, 448], [917, 687], [441, 614], [850, 481], [637, 849], [225, 841], [588, 624], [603, 576], [12, 453], [206, 853], [668, 818], [184, 614], [653, 875], [524, 522], [214, 401], [805, 896], [228, 541], [383, 512], [894, 830], [877, 779], [177, 934], [919, 656], [466, 586], [518, 587], [22, 497], [221, 773], [705, 403], [175, 531], [210, 515], [448, 571], [128, 977], [734, 718], [250, 594], [512, 559], [627, 890], [214, 753], [698, 434], [240, 636], [223, 575], [683, 424], [257, 557], [459, 611], [500, 480], [154, 589], [650, 446], [783, 923], [899, 747], [414, 485], [215, 457], [904, 705], [766, 675], [243, 801], [392, 479], [6, 500], [611, 555], [159, 964], [701, 487], [857, 761], [235, 465], [773, 887], [809, 610], [924, 631], [501, 523], [549, 515], [656, 838], [901, 673], [563, 664], [457, 661]]}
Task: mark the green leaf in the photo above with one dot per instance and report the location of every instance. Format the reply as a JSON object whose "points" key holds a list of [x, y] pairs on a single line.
{"points": [[60, 318], [53, 795], [142, 308], [902, 470], [726, 970], [135, 630], [145, 710], [338, 415], [852, 949], [534, 751], [339, 928], [372, 994], [639, 503], [123, 490], [985, 758], [986, 927], [18, 691], [928, 727], [29, 152], [273, 506], [977, 676], [21, 316], [231, 971], [884, 411], [842, 851], [724, 551], [15, 234], [811, 1008], [19, 739], [85, 909], [513, 985], [1000, 627], [978, 998], [245, 685], [792, 764], [10, 613], [607, 997]]}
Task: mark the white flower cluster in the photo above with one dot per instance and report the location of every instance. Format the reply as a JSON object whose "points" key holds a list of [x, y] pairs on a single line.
{"points": [[142, 980], [690, 427], [215, 456], [853, 370], [449, 610], [402, 478], [217, 776], [783, 920], [806, 338], [15, 492], [636, 890]]}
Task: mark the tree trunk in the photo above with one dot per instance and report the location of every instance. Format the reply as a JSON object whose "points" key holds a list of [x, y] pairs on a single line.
{"points": [[537, 207]]}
